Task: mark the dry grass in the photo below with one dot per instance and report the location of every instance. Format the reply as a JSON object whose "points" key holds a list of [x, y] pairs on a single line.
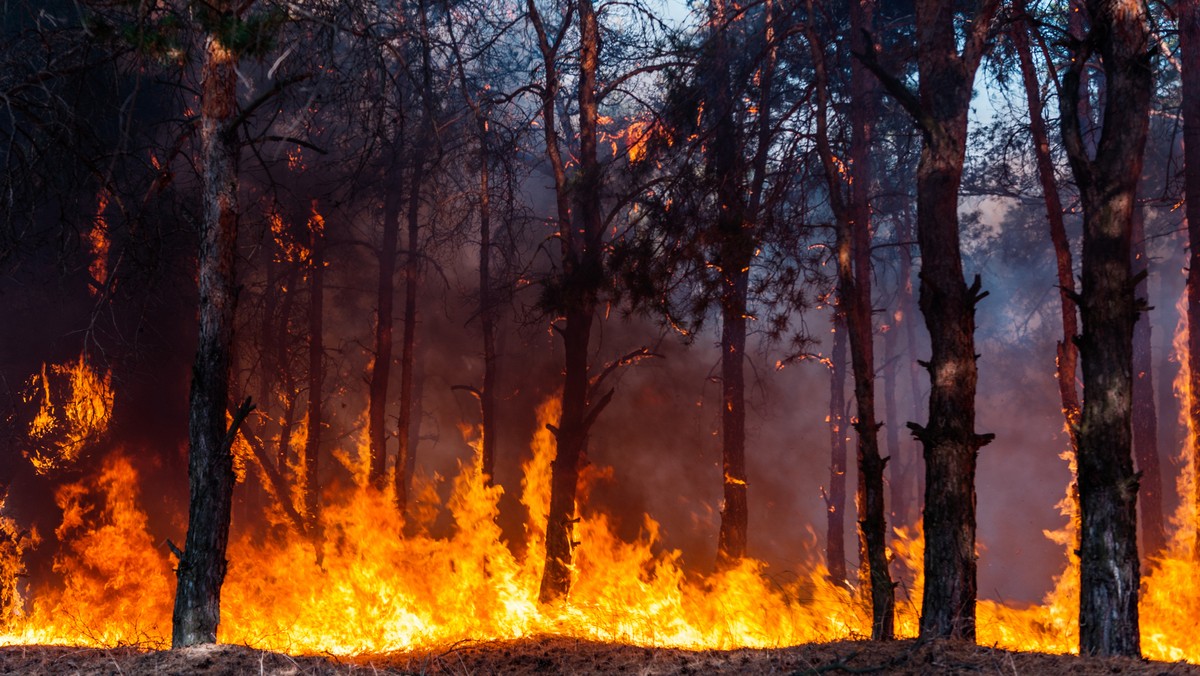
{"points": [[549, 654]]}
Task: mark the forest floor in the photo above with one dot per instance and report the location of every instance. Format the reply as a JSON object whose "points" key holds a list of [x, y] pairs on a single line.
{"points": [[549, 655]]}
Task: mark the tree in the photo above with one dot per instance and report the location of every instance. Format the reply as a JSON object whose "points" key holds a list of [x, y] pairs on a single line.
{"points": [[1107, 182], [210, 460], [1188, 14], [849, 198], [940, 108]]}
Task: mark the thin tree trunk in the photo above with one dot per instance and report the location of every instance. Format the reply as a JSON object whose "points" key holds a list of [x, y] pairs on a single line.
{"points": [[1109, 567], [913, 473], [835, 501], [898, 485], [487, 318], [1145, 416], [849, 197], [412, 277], [202, 564], [1068, 354], [1189, 46], [316, 380], [287, 381], [381, 368]]}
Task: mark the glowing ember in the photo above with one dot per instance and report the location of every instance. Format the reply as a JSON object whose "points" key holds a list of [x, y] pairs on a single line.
{"points": [[75, 405]]}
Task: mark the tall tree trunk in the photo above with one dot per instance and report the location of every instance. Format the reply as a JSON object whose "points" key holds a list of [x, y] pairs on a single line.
{"points": [[1109, 567], [849, 197], [287, 381], [1189, 46], [316, 380], [381, 368], [1145, 416], [1068, 354], [914, 474], [734, 250], [487, 317], [412, 280], [202, 564], [406, 454], [835, 500], [940, 108], [581, 233], [898, 485]]}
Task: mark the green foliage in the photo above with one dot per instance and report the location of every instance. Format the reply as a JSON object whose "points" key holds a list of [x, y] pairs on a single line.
{"points": [[254, 35]]}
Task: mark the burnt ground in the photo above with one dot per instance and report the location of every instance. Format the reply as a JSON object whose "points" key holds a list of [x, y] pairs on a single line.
{"points": [[543, 655]]}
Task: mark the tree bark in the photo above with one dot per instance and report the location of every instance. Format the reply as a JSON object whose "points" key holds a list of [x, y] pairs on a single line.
{"points": [[316, 379], [202, 566], [1188, 12], [581, 234], [1109, 567], [381, 368], [1067, 352], [940, 108], [1145, 415], [849, 197], [835, 500]]}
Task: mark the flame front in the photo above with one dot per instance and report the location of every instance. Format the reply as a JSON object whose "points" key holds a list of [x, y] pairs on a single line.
{"points": [[376, 590]]}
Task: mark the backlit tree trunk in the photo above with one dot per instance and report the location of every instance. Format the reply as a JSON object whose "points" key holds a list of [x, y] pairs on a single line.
{"points": [[381, 368], [1188, 12], [580, 232], [1109, 567], [316, 379], [835, 499], [849, 196], [940, 108], [202, 565], [1145, 416]]}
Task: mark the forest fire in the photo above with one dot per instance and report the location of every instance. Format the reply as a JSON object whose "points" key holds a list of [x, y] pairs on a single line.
{"points": [[371, 330]]}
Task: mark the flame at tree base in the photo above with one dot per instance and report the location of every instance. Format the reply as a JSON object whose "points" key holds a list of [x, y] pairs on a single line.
{"points": [[376, 591]]}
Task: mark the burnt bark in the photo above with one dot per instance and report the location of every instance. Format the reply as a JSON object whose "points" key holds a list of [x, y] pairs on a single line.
{"points": [[1109, 566], [1145, 414], [1188, 12], [202, 565], [835, 499], [940, 108]]}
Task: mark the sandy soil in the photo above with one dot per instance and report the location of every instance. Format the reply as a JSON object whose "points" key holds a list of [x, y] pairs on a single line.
{"points": [[544, 655]]}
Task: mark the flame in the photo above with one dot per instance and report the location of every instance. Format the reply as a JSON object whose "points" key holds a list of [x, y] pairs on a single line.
{"points": [[374, 590], [98, 241], [60, 431]]}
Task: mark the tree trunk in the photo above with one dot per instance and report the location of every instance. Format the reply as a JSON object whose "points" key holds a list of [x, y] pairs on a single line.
{"points": [[487, 318], [1145, 416], [581, 233], [835, 501], [1068, 354], [940, 108], [316, 379], [898, 485], [202, 565], [381, 368], [412, 277], [852, 211], [1189, 48], [1109, 567]]}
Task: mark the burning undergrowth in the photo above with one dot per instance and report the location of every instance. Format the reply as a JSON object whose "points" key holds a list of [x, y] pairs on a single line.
{"points": [[360, 585]]}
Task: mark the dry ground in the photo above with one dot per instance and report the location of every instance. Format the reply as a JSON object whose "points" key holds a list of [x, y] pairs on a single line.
{"points": [[550, 655]]}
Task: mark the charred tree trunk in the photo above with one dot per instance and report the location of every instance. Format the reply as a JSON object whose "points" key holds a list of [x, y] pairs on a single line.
{"points": [[202, 564], [581, 234], [835, 501], [316, 380], [1189, 47], [381, 368], [1145, 415], [849, 197], [1109, 567], [940, 108]]}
